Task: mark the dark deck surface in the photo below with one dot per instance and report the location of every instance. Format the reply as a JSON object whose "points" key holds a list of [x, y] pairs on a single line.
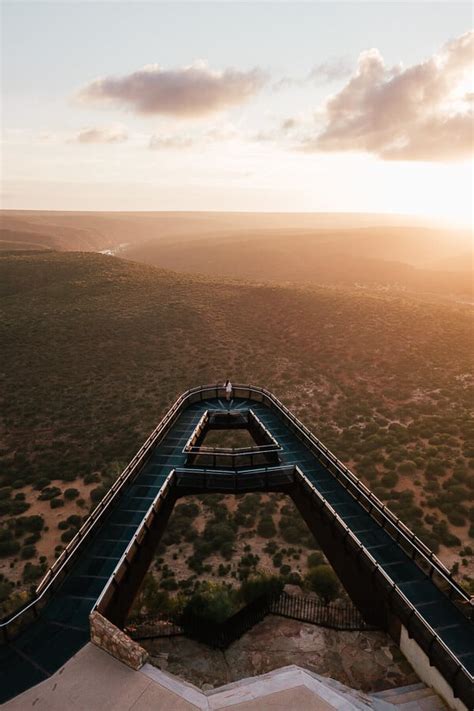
{"points": [[62, 629]]}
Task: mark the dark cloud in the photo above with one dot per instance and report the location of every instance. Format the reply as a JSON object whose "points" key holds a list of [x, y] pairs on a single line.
{"points": [[101, 135], [403, 114], [191, 91]]}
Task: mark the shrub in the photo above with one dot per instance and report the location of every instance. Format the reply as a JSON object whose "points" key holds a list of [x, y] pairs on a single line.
{"points": [[5, 492], [315, 559], [56, 503], [29, 523], [68, 535], [74, 520], [270, 547], [71, 494], [97, 494], [49, 492], [33, 572], [266, 527], [213, 603], [28, 552], [91, 478], [8, 547], [323, 581], [259, 585]]}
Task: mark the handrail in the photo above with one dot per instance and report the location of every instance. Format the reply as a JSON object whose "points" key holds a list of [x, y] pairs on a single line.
{"points": [[60, 565], [352, 479], [377, 567], [152, 509], [194, 448]]}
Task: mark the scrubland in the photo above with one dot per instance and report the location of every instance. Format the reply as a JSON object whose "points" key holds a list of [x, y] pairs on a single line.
{"points": [[95, 349]]}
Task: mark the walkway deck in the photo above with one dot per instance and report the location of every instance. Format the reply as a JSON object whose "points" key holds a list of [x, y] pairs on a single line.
{"points": [[62, 629]]}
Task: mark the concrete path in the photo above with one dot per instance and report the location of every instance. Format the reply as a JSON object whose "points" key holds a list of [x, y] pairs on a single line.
{"points": [[94, 681]]}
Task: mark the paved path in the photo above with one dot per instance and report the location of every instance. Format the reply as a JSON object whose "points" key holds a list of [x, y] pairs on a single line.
{"points": [[93, 681]]}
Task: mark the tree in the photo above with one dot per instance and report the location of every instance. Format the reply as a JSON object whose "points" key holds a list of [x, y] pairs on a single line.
{"points": [[323, 581]]}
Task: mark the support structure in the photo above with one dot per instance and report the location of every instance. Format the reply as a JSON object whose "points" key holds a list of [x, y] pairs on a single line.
{"points": [[394, 579]]}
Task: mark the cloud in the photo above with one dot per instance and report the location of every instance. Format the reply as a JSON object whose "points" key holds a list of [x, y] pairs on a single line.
{"points": [[218, 133], [188, 92], [332, 70], [158, 143], [288, 124], [114, 134], [403, 114]]}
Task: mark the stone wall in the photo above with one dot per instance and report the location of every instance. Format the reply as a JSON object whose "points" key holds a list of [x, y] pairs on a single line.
{"points": [[109, 638]]}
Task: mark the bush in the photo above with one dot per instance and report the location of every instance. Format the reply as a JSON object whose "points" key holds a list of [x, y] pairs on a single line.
{"points": [[212, 603], [259, 585], [315, 559], [266, 527], [271, 547], [91, 478], [98, 493], [28, 552], [49, 492], [29, 523], [323, 581], [8, 547], [187, 510], [71, 494], [56, 503], [33, 572], [74, 520], [5, 492], [68, 535]]}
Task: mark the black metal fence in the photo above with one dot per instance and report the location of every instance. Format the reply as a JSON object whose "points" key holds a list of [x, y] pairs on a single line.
{"points": [[312, 610], [221, 635]]}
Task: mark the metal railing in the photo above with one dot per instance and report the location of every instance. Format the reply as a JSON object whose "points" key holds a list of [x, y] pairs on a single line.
{"points": [[451, 668], [12, 624], [265, 478], [295, 607], [419, 552], [357, 488], [134, 546]]}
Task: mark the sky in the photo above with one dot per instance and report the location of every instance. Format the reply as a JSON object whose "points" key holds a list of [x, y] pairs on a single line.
{"points": [[288, 106]]}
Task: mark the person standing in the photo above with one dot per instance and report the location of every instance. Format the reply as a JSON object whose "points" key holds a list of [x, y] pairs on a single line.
{"points": [[228, 390]]}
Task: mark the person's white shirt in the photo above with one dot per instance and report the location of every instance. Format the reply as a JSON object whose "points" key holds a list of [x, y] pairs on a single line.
{"points": [[228, 387]]}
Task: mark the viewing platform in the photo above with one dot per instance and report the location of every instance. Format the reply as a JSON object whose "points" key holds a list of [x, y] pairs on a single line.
{"points": [[394, 580]]}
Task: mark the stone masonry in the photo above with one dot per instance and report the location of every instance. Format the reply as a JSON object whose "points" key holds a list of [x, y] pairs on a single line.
{"points": [[109, 638]]}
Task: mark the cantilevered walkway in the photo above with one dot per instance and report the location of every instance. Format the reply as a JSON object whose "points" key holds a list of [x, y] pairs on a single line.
{"points": [[410, 583]]}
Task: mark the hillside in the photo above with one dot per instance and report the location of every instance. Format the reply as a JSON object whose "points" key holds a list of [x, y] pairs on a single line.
{"points": [[95, 349], [401, 258], [95, 231], [374, 251]]}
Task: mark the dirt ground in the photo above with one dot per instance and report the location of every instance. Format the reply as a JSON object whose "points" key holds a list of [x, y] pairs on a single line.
{"points": [[51, 537], [368, 661]]}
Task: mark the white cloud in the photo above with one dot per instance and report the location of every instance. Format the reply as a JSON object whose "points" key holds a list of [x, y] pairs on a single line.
{"points": [[403, 114], [110, 134], [186, 92]]}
